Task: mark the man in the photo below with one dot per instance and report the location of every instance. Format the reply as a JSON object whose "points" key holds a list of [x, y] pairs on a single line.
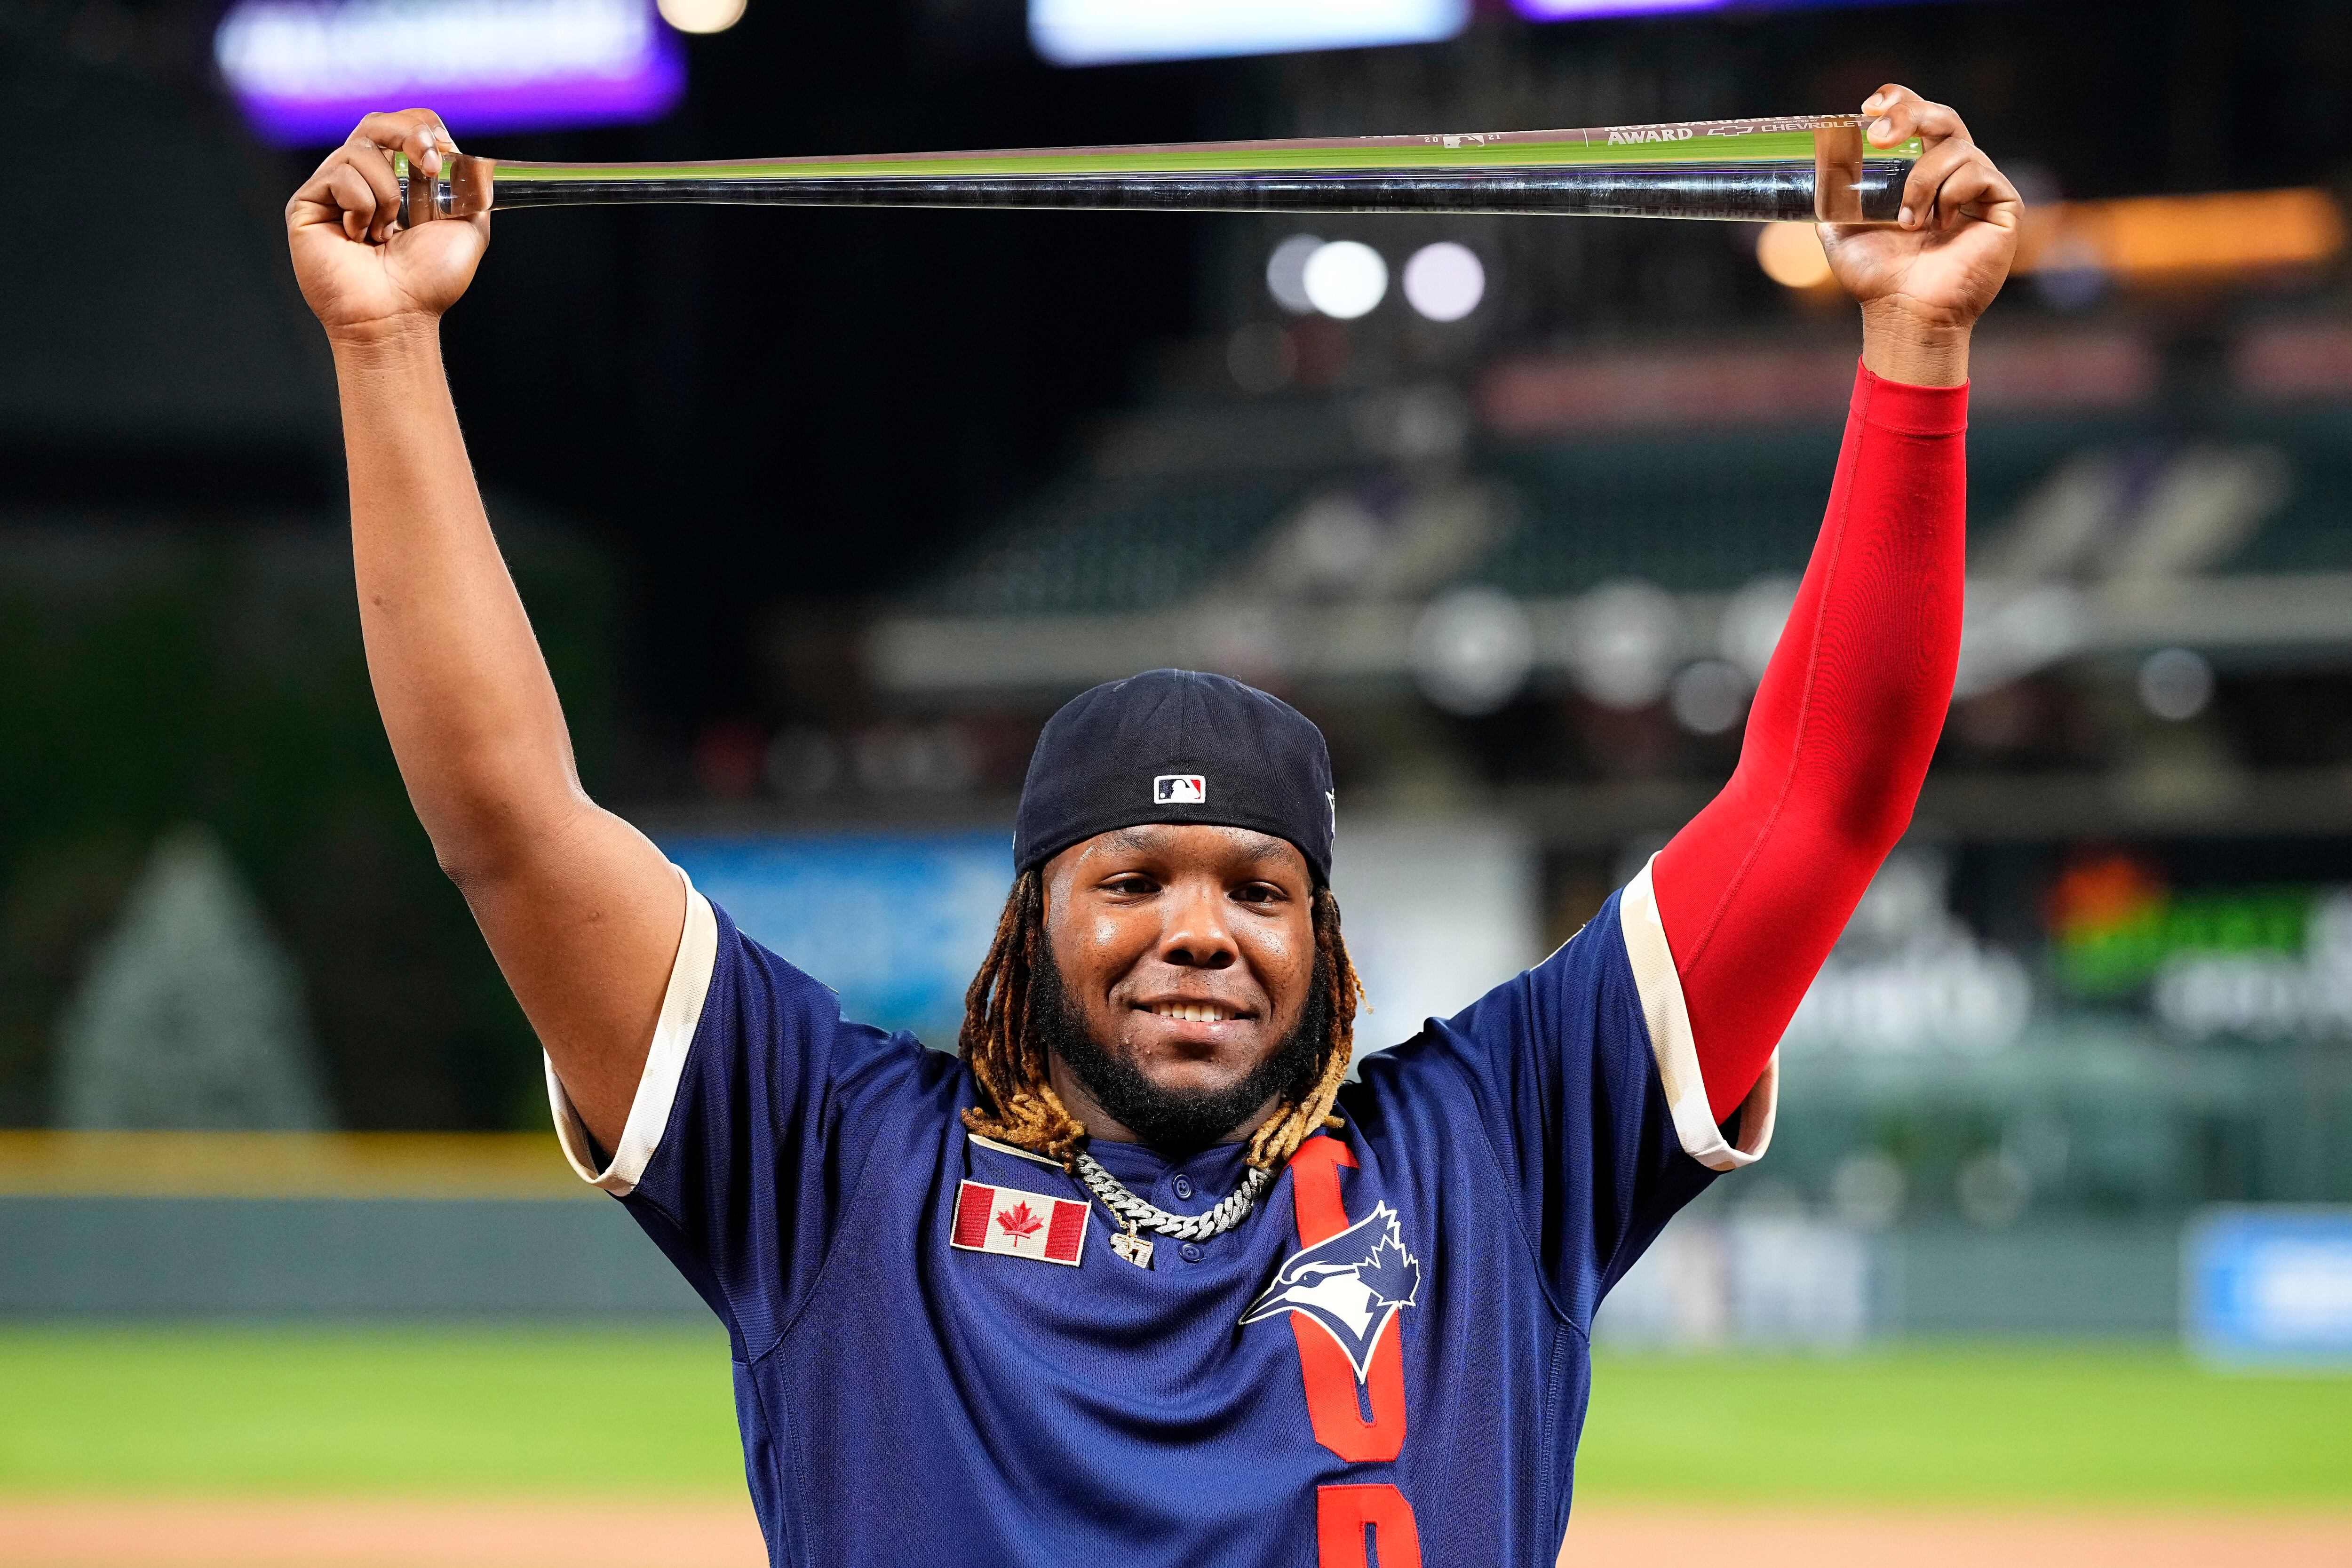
{"points": [[1138, 1277]]}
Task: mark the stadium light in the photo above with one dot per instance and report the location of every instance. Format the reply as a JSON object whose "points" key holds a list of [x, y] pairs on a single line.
{"points": [[1791, 255], [1445, 281], [1623, 642], [1286, 273], [1472, 648], [701, 15], [1710, 697], [2175, 684], [1345, 278]]}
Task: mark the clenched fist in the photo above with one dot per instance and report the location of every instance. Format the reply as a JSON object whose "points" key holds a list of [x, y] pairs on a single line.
{"points": [[1941, 265], [362, 275]]}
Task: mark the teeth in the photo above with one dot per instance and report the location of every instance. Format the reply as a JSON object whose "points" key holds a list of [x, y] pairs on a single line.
{"points": [[1192, 1012]]}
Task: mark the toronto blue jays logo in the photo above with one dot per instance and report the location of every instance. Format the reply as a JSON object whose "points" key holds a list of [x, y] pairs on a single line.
{"points": [[1351, 1285]]}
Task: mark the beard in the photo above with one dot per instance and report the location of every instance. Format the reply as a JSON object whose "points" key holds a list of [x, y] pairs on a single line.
{"points": [[1175, 1121]]}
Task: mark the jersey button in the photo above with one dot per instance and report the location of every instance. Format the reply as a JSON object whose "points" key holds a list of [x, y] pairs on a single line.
{"points": [[1191, 1251], [1183, 1186]]}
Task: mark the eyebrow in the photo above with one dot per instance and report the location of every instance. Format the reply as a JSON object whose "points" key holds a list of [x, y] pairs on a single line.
{"points": [[1147, 836]]}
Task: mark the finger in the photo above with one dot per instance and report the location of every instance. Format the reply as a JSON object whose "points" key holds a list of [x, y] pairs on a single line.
{"points": [[1897, 114], [418, 132], [331, 196], [370, 165], [1976, 191], [1928, 175], [355, 200], [432, 138], [427, 140]]}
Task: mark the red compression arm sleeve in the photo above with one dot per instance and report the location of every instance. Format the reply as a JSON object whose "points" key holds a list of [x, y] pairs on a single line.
{"points": [[1754, 890]]}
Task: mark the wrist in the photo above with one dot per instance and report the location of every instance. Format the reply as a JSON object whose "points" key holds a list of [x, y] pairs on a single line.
{"points": [[1900, 342], [384, 339]]}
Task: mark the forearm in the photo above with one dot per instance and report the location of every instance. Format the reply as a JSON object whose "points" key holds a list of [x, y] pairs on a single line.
{"points": [[1754, 892], [465, 695]]}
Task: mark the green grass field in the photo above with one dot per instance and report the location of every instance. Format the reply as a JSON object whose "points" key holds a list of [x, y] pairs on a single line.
{"points": [[539, 1410], [1965, 1427], [483, 1411]]}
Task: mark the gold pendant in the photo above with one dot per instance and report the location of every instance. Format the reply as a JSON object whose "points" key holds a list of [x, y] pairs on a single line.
{"points": [[1135, 1249]]}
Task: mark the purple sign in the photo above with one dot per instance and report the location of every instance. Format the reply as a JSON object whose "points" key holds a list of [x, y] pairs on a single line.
{"points": [[306, 71], [1579, 10], [1588, 10]]}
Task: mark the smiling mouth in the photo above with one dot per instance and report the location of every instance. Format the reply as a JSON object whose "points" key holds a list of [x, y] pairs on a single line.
{"points": [[1191, 1012]]}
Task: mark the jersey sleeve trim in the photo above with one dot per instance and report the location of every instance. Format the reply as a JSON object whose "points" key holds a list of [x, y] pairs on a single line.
{"points": [[1672, 1042], [681, 1012]]}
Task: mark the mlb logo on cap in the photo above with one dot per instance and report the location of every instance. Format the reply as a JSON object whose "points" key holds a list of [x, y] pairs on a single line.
{"points": [[1180, 789]]}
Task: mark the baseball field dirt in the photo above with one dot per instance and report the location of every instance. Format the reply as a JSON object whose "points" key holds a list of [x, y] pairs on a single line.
{"points": [[380, 1532]]}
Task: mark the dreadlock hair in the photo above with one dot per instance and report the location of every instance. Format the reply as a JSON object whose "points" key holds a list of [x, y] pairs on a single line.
{"points": [[1000, 1043]]}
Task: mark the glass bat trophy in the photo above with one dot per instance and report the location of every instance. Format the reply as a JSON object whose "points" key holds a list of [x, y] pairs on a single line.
{"points": [[1809, 168]]}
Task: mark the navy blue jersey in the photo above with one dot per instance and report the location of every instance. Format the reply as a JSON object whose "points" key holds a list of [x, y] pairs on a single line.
{"points": [[938, 1360]]}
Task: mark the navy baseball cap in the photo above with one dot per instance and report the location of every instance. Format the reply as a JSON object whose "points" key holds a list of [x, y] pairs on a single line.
{"points": [[1175, 746]]}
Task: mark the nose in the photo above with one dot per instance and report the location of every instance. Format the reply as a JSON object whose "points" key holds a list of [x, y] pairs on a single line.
{"points": [[1196, 935]]}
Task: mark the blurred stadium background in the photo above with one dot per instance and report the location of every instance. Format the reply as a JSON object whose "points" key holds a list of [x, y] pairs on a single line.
{"points": [[820, 514]]}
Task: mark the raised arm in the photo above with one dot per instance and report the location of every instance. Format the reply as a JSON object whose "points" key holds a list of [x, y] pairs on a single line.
{"points": [[1753, 893], [582, 913]]}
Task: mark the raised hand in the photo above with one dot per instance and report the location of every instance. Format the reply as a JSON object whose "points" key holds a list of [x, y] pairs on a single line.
{"points": [[361, 274], [1940, 267]]}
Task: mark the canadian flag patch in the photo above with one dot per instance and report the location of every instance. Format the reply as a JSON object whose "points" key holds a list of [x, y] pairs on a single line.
{"points": [[1024, 1224]]}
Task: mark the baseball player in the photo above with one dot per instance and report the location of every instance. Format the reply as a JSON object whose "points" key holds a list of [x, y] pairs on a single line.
{"points": [[1138, 1276]]}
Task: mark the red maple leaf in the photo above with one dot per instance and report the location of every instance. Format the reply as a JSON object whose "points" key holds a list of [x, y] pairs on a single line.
{"points": [[1019, 1221]]}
